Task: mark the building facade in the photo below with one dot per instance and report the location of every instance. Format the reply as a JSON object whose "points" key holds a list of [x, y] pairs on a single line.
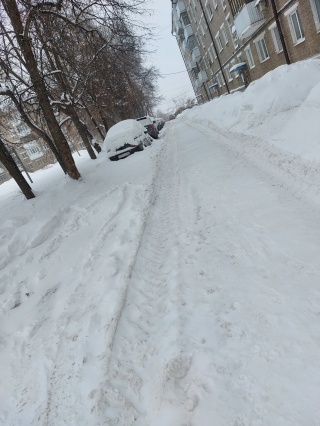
{"points": [[226, 44], [30, 152]]}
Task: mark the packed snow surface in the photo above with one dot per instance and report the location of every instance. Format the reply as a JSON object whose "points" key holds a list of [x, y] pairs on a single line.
{"points": [[179, 286]]}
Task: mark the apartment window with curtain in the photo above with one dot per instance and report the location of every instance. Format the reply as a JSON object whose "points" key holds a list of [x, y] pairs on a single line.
{"points": [[315, 5], [276, 38], [249, 57], [295, 24], [261, 48]]}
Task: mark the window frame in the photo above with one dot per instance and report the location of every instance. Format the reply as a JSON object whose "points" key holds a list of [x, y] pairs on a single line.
{"points": [[227, 70], [224, 34], [218, 42], [289, 14], [316, 14], [276, 39], [209, 10], [259, 42], [250, 57]]}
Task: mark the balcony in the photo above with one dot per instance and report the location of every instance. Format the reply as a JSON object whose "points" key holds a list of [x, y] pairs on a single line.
{"points": [[188, 32], [196, 83], [248, 20], [191, 64], [195, 54], [180, 7], [202, 76]]}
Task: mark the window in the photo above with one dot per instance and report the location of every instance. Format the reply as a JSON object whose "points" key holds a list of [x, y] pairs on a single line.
{"points": [[202, 27], [210, 55], [33, 150], [261, 48], [227, 72], [233, 31], [23, 130], [224, 34], [218, 80], [185, 18], [192, 42], [224, 4], [218, 41], [315, 5], [276, 38], [215, 3], [209, 10], [236, 73], [222, 78], [249, 57], [24, 155], [295, 24]]}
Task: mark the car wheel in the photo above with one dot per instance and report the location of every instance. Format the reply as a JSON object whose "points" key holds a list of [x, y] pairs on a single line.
{"points": [[141, 147]]}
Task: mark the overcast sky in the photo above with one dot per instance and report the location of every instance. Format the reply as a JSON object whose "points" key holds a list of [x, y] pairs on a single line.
{"points": [[167, 57]]}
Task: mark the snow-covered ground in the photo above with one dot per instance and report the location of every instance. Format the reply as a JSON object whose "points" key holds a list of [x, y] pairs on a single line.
{"points": [[177, 287]]}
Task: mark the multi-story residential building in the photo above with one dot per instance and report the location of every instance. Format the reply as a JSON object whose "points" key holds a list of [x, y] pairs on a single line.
{"points": [[226, 44], [30, 152]]}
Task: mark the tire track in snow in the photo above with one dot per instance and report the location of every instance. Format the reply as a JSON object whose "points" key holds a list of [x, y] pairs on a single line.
{"points": [[146, 363]]}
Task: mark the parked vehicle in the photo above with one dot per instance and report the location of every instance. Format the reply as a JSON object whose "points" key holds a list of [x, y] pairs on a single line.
{"points": [[160, 123], [125, 138], [150, 125]]}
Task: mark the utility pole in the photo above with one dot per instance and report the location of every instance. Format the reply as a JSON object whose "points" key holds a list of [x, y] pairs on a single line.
{"points": [[214, 45], [276, 17]]}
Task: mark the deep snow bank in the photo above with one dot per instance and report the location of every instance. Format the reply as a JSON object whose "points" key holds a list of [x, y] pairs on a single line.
{"points": [[275, 124], [282, 107]]}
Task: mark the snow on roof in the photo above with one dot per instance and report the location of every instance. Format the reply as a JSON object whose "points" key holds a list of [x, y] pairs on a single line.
{"points": [[236, 67]]}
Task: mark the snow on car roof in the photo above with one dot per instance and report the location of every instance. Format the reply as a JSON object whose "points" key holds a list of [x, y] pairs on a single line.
{"points": [[125, 131], [145, 120]]}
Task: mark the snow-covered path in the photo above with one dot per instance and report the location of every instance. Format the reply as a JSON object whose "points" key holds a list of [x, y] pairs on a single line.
{"points": [[250, 268], [221, 319], [178, 287]]}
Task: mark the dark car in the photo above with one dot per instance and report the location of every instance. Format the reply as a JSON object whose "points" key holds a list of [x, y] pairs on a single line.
{"points": [[150, 126]]}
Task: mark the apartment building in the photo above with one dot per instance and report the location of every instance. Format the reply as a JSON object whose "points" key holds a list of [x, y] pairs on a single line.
{"points": [[226, 44], [30, 152]]}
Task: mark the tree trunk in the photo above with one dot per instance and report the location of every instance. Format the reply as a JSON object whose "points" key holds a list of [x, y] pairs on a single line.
{"points": [[40, 88], [96, 125], [82, 130], [14, 171]]}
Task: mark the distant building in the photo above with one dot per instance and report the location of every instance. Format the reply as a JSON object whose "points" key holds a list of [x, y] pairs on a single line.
{"points": [[226, 44], [34, 154]]}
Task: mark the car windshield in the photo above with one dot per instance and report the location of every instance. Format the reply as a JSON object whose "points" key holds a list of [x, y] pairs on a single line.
{"points": [[145, 121]]}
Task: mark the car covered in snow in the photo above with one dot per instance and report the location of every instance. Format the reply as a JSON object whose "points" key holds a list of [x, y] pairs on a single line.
{"points": [[125, 138], [150, 125]]}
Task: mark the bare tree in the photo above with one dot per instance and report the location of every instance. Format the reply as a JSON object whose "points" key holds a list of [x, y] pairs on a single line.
{"points": [[9, 163]]}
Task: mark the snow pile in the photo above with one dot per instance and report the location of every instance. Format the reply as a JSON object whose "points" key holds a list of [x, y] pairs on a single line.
{"points": [[280, 107]]}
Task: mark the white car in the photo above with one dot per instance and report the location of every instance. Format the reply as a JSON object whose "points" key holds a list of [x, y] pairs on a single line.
{"points": [[125, 138]]}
